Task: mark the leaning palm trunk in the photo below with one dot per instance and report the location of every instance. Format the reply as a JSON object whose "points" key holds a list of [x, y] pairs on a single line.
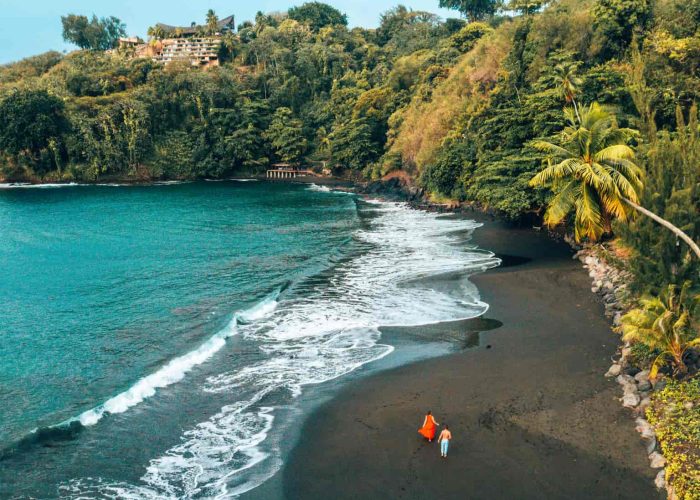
{"points": [[594, 171], [694, 246]]}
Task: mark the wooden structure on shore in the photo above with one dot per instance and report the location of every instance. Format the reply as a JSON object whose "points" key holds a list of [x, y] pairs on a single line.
{"points": [[286, 171]]}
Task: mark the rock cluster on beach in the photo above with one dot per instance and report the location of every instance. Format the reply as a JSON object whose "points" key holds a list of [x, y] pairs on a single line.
{"points": [[610, 285]]}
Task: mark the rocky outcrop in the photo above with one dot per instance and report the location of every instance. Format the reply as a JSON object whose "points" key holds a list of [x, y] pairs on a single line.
{"points": [[395, 188]]}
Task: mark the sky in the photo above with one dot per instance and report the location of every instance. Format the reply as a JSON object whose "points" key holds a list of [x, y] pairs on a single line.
{"points": [[30, 27]]}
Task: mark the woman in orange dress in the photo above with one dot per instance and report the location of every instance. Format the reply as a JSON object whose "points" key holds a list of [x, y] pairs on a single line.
{"points": [[429, 427]]}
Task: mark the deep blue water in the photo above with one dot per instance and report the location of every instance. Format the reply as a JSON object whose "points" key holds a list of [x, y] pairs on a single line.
{"points": [[152, 338]]}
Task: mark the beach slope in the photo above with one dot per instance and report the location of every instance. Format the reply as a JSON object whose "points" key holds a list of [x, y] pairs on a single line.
{"points": [[531, 413]]}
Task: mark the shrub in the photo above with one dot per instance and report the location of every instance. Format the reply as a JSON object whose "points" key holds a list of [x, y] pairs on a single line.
{"points": [[667, 323], [465, 39], [675, 415]]}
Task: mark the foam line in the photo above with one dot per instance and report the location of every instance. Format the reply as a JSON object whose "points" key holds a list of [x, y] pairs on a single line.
{"points": [[26, 185], [316, 187], [321, 331], [176, 369]]}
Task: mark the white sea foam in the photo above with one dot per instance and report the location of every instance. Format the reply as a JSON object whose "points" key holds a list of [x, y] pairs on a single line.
{"points": [[320, 333], [176, 369], [170, 183], [55, 185], [26, 185], [326, 189], [316, 187]]}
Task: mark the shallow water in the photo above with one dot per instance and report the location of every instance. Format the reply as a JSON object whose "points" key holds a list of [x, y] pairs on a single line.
{"points": [[153, 338]]}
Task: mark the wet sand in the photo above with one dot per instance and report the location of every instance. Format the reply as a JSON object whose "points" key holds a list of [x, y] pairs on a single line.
{"points": [[531, 414]]}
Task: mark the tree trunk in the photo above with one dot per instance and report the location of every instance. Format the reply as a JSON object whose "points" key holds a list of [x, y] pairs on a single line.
{"points": [[694, 246]]}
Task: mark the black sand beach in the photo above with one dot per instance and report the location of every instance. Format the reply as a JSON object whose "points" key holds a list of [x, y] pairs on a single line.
{"points": [[531, 413]]}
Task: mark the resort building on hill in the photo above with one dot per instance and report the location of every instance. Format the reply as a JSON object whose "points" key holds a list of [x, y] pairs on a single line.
{"points": [[129, 42], [198, 51], [225, 25], [194, 44]]}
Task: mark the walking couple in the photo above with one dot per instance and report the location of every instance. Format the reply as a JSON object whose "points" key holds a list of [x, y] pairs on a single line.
{"points": [[428, 432]]}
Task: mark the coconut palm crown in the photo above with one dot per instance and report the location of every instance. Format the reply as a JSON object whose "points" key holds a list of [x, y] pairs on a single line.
{"points": [[592, 172]]}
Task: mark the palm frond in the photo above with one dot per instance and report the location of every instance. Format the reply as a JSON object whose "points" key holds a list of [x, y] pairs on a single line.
{"points": [[614, 152], [562, 204], [551, 149], [558, 171], [615, 206], [588, 215]]}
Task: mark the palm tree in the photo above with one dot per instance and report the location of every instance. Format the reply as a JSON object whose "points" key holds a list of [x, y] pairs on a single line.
{"points": [[592, 171], [156, 32], [212, 22], [564, 78], [594, 175], [667, 324]]}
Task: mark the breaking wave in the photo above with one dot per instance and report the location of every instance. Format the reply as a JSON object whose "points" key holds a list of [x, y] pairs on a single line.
{"points": [[27, 185], [325, 328], [173, 371], [320, 189]]}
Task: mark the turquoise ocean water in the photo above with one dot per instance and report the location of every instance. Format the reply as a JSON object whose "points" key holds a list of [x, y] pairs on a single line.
{"points": [[153, 338]]}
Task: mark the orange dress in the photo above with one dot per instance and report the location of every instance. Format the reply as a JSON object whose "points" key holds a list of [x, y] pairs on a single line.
{"points": [[428, 430]]}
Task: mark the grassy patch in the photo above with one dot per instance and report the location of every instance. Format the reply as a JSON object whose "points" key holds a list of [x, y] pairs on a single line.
{"points": [[675, 413]]}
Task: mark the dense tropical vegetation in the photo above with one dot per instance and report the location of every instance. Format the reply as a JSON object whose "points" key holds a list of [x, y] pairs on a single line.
{"points": [[579, 112], [675, 415], [667, 324]]}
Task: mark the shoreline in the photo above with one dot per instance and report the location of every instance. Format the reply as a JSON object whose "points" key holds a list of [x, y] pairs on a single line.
{"points": [[524, 253], [326, 181], [531, 411]]}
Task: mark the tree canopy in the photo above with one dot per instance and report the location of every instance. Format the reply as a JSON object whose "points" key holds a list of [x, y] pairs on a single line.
{"points": [[94, 34], [474, 10], [32, 118], [592, 170], [286, 136], [318, 15], [620, 20], [455, 105], [212, 22]]}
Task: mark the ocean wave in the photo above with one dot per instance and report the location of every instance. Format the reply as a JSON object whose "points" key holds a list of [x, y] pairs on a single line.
{"points": [[175, 370], [177, 474], [326, 189], [321, 331], [169, 183], [316, 187], [231, 180], [27, 185], [55, 185]]}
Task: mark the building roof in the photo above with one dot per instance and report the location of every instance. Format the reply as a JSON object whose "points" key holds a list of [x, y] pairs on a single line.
{"points": [[224, 24]]}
